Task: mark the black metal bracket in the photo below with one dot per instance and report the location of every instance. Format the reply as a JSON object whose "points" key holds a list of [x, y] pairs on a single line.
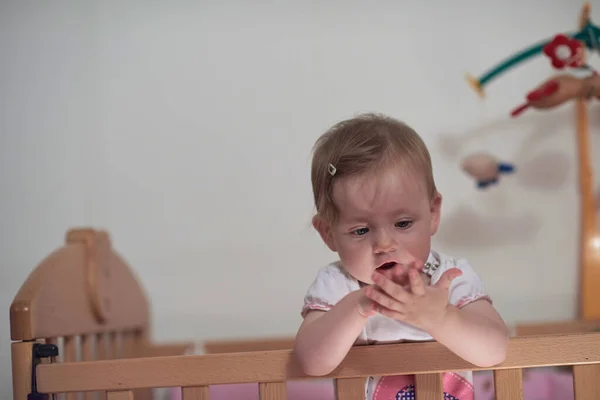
{"points": [[40, 351]]}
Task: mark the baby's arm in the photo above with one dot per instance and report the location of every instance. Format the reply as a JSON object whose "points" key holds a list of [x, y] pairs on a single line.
{"points": [[472, 329], [475, 332], [324, 338]]}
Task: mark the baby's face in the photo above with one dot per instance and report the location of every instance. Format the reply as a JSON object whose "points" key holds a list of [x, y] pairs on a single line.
{"points": [[385, 219]]}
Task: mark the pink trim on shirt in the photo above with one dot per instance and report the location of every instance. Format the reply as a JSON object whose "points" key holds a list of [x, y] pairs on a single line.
{"points": [[313, 306], [470, 299]]}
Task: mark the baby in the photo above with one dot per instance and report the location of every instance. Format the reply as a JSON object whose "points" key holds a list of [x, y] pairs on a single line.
{"points": [[378, 207]]}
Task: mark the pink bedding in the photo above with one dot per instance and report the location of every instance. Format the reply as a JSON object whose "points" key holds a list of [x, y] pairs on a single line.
{"points": [[537, 385]]}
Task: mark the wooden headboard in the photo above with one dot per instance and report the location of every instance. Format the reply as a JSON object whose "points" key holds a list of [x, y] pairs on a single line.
{"points": [[81, 288], [84, 299]]}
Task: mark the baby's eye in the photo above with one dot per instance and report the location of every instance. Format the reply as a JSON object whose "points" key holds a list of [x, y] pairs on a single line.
{"points": [[360, 231], [403, 224]]}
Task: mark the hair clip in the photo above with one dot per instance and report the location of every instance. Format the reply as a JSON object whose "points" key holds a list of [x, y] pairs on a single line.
{"points": [[331, 169]]}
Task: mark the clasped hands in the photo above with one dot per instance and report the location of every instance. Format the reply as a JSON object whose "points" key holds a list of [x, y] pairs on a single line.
{"points": [[401, 293]]}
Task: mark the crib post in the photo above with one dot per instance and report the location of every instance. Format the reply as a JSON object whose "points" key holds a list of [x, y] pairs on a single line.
{"points": [[25, 358], [22, 359]]}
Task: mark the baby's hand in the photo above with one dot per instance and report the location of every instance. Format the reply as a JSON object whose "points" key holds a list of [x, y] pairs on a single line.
{"points": [[422, 306], [400, 274]]}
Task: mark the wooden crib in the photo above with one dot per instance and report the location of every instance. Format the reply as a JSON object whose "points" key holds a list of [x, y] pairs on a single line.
{"points": [[83, 302]]}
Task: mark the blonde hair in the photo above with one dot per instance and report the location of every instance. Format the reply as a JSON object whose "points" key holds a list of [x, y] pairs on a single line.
{"points": [[362, 144]]}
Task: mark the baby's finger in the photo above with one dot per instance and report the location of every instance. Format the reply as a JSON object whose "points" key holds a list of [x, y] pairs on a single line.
{"points": [[399, 316], [382, 300], [399, 274], [409, 261], [417, 286], [447, 278], [389, 273], [391, 288]]}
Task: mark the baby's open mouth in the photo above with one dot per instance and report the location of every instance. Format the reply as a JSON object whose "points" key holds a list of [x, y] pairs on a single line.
{"points": [[387, 266]]}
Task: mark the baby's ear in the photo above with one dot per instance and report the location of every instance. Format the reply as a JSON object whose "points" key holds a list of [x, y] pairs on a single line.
{"points": [[436, 211], [324, 228]]}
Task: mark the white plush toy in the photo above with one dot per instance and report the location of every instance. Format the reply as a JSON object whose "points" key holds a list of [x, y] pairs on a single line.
{"points": [[485, 169]]}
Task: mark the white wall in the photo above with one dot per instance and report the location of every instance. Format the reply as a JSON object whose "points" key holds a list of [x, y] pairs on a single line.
{"points": [[185, 129]]}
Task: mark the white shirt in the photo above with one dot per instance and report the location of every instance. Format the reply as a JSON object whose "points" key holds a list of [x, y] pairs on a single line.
{"points": [[332, 283]]}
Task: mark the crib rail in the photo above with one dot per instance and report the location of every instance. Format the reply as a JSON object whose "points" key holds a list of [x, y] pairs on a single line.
{"points": [[271, 369], [250, 344]]}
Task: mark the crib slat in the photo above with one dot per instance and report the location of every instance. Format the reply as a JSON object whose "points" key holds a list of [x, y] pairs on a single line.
{"points": [[138, 338], [585, 381], [101, 355], [508, 384], [120, 395], [54, 341], [429, 387], [195, 393], [70, 356], [111, 345], [350, 389], [87, 354], [272, 391], [127, 344]]}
